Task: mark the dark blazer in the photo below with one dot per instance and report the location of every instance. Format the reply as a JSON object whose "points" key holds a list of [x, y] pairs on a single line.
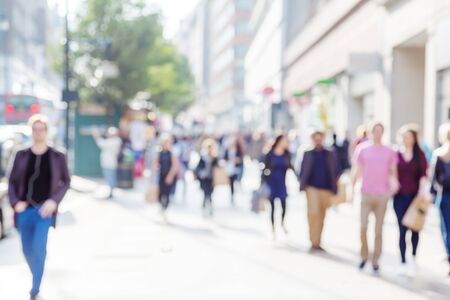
{"points": [[60, 179], [308, 165]]}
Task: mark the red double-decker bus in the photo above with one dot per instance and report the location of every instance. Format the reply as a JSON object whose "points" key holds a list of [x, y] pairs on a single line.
{"points": [[17, 109]]}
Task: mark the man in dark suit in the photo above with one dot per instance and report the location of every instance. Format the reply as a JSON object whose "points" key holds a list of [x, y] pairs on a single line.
{"points": [[318, 178], [38, 181]]}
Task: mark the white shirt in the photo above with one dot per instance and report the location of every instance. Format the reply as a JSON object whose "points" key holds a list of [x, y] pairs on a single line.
{"points": [[138, 135], [110, 148]]}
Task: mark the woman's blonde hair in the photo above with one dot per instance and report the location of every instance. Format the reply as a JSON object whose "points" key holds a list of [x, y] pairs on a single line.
{"points": [[444, 133], [38, 118], [210, 144]]}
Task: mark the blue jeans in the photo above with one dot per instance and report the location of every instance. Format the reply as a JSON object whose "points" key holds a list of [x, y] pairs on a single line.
{"points": [[110, 176], [34, 232], [401, 205], [444, 209]]}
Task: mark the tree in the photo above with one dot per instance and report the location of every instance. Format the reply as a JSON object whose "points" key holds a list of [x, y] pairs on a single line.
{"points": [[138, 49], [170, 78]]}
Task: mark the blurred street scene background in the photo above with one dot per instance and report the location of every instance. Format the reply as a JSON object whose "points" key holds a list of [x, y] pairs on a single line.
{"points": [[212, 83]]}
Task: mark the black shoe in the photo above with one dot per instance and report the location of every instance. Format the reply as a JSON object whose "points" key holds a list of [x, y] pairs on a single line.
{"points": [[362, 265], [376, 270]]}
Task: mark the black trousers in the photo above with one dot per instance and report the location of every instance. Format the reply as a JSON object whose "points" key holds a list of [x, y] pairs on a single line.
{"points": [[283, 207]]}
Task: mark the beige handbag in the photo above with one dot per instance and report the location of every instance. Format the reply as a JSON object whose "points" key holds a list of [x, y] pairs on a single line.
{"points": [[343, 190], [152, 194], [416, 214], [220, 176]]}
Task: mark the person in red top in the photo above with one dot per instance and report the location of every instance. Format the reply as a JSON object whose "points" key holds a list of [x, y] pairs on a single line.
{"points": [[412, 171]]}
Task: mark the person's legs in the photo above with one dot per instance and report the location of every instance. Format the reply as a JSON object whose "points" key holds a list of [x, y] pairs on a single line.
{"points": [[39, 250], [232, 181], [2, 225], [365, 212], [26, 228], [445, 218], [165, 200], [324, 202], [400, 207], [272, 211], [314, 216], [205, 199], [380, 212], [414, 242], [110, 176], [283, 212]]}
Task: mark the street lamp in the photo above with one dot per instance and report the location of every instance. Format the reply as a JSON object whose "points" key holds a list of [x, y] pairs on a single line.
{"points": [[68, 96]]}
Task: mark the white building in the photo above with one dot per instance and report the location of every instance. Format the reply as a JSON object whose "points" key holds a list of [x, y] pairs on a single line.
{"points": [[29, 28], [334, 66], [263, 63], [229, 38], [356, 61], [417, 63]]}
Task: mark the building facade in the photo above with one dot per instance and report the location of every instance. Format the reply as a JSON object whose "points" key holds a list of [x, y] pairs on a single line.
{"points": [[28, 28], [263, 63], [229, 38], [334, 71], [356, 61], [417, 64]]}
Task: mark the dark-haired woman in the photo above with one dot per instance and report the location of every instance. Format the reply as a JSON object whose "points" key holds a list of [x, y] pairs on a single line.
{"points": [[277, 162], [204, 173], [234, 155], [412, 172]]}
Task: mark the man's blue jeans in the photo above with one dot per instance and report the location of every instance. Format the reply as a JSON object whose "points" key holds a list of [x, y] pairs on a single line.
{"points": [[110, 176], [34, 232]]}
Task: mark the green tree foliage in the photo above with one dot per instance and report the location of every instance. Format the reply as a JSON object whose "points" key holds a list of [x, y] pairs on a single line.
{"points": [[137, 49], [170, 79]]}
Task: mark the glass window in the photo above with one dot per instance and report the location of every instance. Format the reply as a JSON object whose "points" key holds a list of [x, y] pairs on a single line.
{"points": [[244, 4]]}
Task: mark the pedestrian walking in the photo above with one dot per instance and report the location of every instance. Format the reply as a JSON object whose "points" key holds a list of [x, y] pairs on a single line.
{"points": [[412, 171], [341, 151], [276, 164], [204, 173], [38, 181], [166, 166], [440, 185], [234, 155], [376, 166], [109, 156], [318, 178]]}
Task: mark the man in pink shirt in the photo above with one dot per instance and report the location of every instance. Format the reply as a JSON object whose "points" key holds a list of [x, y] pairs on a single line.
{"points": [[375, 164]]}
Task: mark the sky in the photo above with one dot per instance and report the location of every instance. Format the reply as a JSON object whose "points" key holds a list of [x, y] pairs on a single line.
{"points": [[174, 11]]}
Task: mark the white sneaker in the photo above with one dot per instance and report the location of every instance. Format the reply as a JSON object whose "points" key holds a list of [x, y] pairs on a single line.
{"points": [[403, 269], [164, 215], [413, 267]]}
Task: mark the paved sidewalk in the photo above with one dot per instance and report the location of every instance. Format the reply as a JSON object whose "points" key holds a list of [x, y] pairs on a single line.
{"points": [[122, 249]]}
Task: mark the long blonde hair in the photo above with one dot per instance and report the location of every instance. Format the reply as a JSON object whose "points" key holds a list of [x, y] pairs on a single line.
{"points": [[444, 139]]}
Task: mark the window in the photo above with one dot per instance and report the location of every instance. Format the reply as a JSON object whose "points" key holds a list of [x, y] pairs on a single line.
{"points": [[244, 4], [242, 27]]}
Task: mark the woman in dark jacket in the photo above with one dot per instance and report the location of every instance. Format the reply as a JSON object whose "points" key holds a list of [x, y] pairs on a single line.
{"points": [[234, 155], [276, 164], [412, 171], [204, 172], [166, 165]]}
